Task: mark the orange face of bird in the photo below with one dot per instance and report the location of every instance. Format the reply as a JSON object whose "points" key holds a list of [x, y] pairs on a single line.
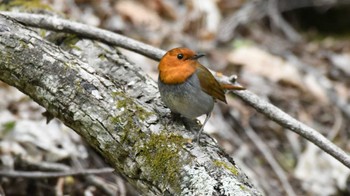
{"points": [[177, 65]]}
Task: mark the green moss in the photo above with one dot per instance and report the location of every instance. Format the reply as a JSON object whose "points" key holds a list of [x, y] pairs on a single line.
{"points": [[71, 41], [23, 44], [126, 124], [162, 157], [26, 5], [160, 153], [42, 33], [117, 94], [102, 57], [7, 127], [67, 66], [129, 104], [77, 83], [5, 57], [125, 121], [232, 168], [242, 187]]}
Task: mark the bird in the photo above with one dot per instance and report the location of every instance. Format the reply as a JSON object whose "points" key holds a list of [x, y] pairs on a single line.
{"points": [[187, 87]]}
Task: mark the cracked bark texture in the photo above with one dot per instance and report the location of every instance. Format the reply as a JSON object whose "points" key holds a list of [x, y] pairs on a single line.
{"points": [[116, 108]]}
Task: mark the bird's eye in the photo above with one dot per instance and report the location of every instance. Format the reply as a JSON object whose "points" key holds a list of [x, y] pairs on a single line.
{"points": [[180, 56]]}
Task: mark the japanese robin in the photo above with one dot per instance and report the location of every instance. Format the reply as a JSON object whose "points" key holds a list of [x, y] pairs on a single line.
{"points": [[187, 87]]}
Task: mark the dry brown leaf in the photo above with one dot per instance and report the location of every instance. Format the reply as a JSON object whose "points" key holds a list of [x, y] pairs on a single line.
{"points": [[275, 69], [163, 8], [262, 63], [203, 19], [342, 61], [315, 88], [138, 14], [320, 173]]}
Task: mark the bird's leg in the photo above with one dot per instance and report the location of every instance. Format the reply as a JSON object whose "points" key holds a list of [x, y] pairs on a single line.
{"points": [[175, 116], [201, 130]]}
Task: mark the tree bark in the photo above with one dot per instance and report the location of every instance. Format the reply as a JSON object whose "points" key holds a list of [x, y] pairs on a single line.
{"points": [[115, 107]]}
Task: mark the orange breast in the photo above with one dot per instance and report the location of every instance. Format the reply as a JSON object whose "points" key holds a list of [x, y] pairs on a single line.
{"points": [[176, 74]]}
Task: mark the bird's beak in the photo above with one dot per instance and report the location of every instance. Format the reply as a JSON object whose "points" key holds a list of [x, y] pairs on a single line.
{"points": [[197, 56]]}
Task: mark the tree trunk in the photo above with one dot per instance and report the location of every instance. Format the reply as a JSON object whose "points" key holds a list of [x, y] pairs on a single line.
{"points": [[115, 107]]}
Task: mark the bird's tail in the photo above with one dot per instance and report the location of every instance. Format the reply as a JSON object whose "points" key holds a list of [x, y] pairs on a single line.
{"points": [[235, 86]]}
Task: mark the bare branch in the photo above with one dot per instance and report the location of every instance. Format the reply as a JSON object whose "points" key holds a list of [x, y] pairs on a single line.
{"points": [[58, 24], [292, 124]]}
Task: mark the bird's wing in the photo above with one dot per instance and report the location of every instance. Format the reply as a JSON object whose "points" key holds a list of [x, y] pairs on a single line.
{"points": [[209, 84]]}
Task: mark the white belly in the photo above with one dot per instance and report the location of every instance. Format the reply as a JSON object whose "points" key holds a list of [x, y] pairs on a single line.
{"points": [[186, 99]]}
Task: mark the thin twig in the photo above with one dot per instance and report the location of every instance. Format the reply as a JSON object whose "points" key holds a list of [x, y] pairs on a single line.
{"points": [[39, 174], [250, 98], [101, 184], [42, 165], [337, 125], [266, 152], [250, 11], [94, 180], [59, 186], [277, 19]]}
